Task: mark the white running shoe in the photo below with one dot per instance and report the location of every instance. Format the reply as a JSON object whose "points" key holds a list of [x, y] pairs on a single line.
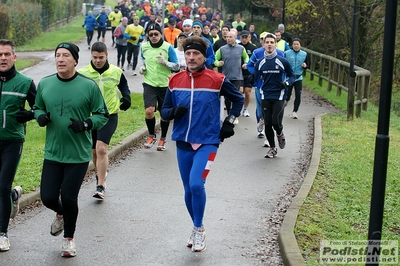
{"points": [[189, 243], [271, 153], [236, 121], [260, 125], [4, 242], [68, 247], [199, 241], [246, 113], [266, 143], [57, 226], [294, 115]]}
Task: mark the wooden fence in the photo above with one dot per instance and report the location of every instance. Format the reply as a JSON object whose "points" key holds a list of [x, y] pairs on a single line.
{"points": [[336, 73]]}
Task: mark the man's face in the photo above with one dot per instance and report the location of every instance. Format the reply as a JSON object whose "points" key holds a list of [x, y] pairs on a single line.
{"points": [[171, 26], [231, 38], [65, 63], [116, 10], [152, 17], [203, 17], [187, 29], [251, 28], [245, 39], [154, 36], [99, 59], [214, 32], [206, 29], [278, 35], [224, 31], [269, 44], [7, 58], [197, 30], [194, 60]]}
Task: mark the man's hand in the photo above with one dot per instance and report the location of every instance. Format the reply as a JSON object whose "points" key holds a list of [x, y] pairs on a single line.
{"points": [[44, 119], [125, 103], [142, 70], [133, 38], [161, 59], [77, 126], [179, 111], [24, 115], [283, 84], [226, 130]]}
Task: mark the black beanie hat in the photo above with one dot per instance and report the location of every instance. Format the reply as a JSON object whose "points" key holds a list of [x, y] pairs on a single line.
{"points": [[154, 26], [70, 47]]}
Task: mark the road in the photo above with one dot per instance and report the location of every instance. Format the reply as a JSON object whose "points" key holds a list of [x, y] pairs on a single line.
{"points": [[143, 220]]}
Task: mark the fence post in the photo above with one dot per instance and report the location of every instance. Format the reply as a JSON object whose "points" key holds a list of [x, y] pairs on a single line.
{"points": [[321, 70], [350, 96]]}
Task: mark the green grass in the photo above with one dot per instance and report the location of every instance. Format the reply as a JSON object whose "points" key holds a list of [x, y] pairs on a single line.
{"points": [[71, 32], [337, 206]]}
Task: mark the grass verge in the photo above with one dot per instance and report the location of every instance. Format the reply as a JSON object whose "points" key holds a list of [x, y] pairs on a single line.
{"points": [[338, 205]]}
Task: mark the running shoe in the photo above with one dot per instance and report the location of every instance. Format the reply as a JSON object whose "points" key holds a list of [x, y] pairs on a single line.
{"points": [[150, 141], [100, 192], [68, 248], [246, 113], [260, 135], [271, 153], [15, 206], [57, 226], [294, 115], [281, 141], [260, 125], [4, 242], [189, 243], [161, 145], [236, 121], [199, 241], [134, 73], [266, 143]]}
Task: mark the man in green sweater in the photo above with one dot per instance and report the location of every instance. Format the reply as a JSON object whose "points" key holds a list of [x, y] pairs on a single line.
{"points": [[70, 105]]}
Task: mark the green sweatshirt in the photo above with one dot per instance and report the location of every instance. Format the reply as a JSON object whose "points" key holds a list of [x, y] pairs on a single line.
{"points": [[78, 98]]}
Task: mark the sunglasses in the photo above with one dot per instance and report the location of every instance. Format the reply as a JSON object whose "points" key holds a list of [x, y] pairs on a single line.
{"points": [[153, 34]]}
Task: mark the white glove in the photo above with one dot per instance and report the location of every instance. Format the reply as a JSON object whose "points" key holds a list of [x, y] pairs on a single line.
{"points": [[161, 59], [142, 70]]}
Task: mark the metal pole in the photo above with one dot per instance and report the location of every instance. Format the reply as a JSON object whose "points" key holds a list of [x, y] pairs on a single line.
{"points": [[283, 12], [382, 138]]}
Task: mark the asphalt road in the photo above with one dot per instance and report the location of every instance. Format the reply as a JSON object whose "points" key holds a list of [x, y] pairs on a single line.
{"points": [[143, 219]]}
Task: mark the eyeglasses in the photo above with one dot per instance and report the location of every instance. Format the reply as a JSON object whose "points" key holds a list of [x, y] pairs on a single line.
{"points": [[153, 34]]}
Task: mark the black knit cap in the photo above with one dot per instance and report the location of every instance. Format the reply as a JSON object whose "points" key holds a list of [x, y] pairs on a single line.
{"points": [[154, 26], [70, 47]]}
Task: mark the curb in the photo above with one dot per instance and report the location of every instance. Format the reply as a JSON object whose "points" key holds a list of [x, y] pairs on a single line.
{"points": [[29, 198], [288, 246]]}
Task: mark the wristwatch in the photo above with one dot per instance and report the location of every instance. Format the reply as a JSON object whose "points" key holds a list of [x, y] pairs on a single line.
{"points": [[230, 119], [85, 125]]}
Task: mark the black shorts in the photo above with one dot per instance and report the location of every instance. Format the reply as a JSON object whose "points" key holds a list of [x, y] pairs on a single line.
{"points": [[153, 96], [246, 83], [106, 132]]}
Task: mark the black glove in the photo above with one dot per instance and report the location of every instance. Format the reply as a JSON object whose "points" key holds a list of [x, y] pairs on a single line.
{"points": [[283, 84], [44, 119], [180, 111], [83, 26], [133, 38], [226, 130], [24, 115], [125, 103], [77, 126], [250, 79]]}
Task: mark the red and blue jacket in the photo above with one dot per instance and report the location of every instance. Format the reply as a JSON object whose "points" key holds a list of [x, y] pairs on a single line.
{"points": [[200, 92]]}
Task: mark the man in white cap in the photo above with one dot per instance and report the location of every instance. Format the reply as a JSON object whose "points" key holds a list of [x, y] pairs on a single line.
{"points": [[285, 35]]}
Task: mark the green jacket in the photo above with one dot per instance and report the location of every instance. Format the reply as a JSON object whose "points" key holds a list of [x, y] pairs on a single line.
{"points": [[13, 94]]}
